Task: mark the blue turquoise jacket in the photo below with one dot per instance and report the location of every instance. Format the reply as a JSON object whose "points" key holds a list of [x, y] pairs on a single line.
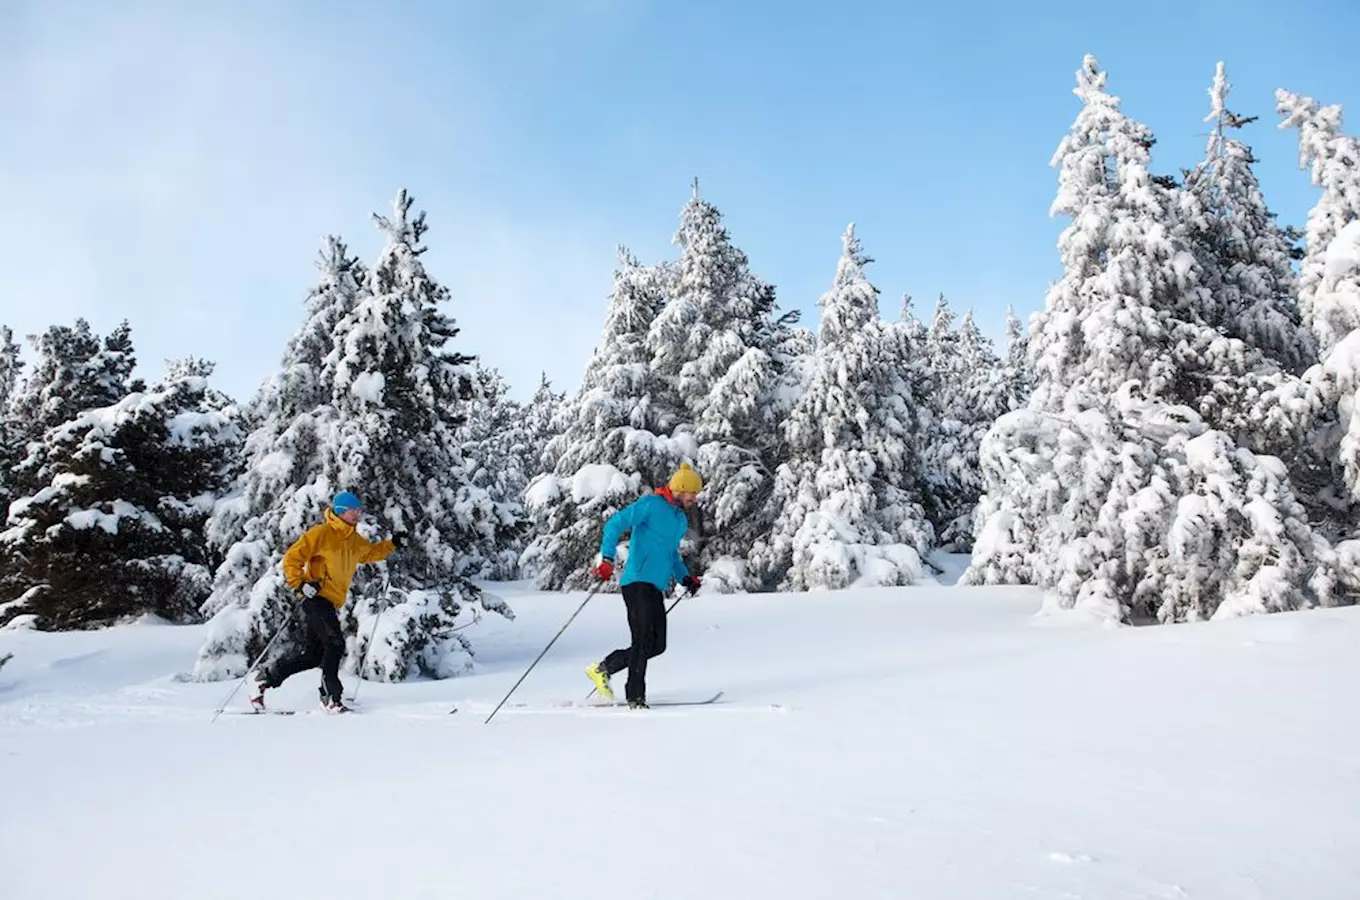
{"points": [[656, 526]]}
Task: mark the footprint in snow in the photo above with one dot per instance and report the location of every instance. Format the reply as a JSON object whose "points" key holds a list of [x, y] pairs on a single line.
{"points": [[67, 662], [1070, 859]]}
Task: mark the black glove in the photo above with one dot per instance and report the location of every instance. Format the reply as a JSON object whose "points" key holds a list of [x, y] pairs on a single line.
{"points": [[691, 584], [397, 540]]}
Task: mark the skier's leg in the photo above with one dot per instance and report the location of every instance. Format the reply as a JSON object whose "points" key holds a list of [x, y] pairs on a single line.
{"points": [[618, 660], [658, 601], [300, 659], [332, 650], [643, 606]]}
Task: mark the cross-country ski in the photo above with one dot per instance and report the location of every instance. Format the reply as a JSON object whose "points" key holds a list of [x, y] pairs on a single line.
{"points": [[617, 704]]}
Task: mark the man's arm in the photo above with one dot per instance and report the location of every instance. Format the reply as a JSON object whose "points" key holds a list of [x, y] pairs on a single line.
{"points": [[679, 571], [377, 552], [614, 528], [296, 557]]}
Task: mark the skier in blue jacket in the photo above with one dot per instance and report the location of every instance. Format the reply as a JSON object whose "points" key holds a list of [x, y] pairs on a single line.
{"points": [[656, 524]]}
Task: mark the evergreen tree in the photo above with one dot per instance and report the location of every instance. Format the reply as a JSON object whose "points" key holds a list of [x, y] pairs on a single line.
{"points": [[493, 441], [732, 361], [538, 426], [369, 399], [1111, 490], [980, 399], [1245, 256], [10, 430], [912, 326], [910, 339], [947, 472], [283, 486], [613, 440], [401, 396], [1337, 385], [10, 366], [1333, 159], [1323, 408], [73, 371], [116, 528], [849, 515], [1017, 380]]}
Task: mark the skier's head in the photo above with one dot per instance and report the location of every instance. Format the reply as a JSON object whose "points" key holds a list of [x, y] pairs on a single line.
{"points": [[685, 485], [348, 507]]}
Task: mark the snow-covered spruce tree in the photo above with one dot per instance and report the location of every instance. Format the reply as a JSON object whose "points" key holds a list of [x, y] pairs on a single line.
{"points": [[733, 363], [915, 363], [73, 371], [849, 514], [1333, 160], [1109, 491], [966, 397], [1246, 257], [1325, 407], [983, 397], [401, 396], [283, 486], [10, 368], [614, 440], [493, 440], [116, 529], [1328, 289], [943, 472], [1338, 381], [1017, 379], [538, 426]]}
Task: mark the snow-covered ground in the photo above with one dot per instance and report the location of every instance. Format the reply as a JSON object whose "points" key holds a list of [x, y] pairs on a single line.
{"points": [[937, 742]]}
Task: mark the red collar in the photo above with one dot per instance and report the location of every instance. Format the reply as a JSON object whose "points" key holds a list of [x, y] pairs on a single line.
{"points": [[665, 491]]}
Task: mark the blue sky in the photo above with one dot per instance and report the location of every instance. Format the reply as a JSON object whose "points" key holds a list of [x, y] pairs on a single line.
{"points": [[178, 164]]}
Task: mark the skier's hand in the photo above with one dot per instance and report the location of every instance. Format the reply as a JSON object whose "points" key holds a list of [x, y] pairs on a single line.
{"points": [[309, 589], [605, 569], [691, 584], [397, 540]]}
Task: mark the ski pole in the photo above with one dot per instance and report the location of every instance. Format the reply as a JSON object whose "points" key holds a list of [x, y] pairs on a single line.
{"points": [[363, 654], [668, 612], [545, 650], [252, 666]]}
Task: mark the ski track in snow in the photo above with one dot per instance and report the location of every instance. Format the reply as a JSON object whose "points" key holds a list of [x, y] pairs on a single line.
{"points": [[920, 742]]}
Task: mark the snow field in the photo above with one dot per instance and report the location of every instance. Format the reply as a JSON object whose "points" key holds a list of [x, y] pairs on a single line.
{"points": [[923, 742]]}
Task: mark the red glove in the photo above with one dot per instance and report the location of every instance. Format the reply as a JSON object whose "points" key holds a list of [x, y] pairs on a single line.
{"points": [[691, 584], [605, 569]]}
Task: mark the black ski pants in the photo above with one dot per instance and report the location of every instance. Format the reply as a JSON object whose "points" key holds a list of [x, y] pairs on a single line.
{"points": [[323, 645], [647, 626]]}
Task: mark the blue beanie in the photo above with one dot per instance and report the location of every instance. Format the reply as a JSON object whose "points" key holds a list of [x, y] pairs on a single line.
{"points": [[344, 502]]}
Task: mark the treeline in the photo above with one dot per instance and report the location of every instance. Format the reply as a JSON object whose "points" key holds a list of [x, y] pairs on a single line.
{"points": [[1174, 435]]}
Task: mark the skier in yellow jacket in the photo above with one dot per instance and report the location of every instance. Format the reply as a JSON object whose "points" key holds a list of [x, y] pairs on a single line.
{"points": [[319, 567]]}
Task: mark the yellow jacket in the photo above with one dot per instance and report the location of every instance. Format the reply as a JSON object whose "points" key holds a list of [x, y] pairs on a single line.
{"points": [[329, 553]]}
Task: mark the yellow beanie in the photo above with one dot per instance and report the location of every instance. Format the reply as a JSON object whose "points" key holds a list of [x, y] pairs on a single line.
{"points": [[686, 480]]}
